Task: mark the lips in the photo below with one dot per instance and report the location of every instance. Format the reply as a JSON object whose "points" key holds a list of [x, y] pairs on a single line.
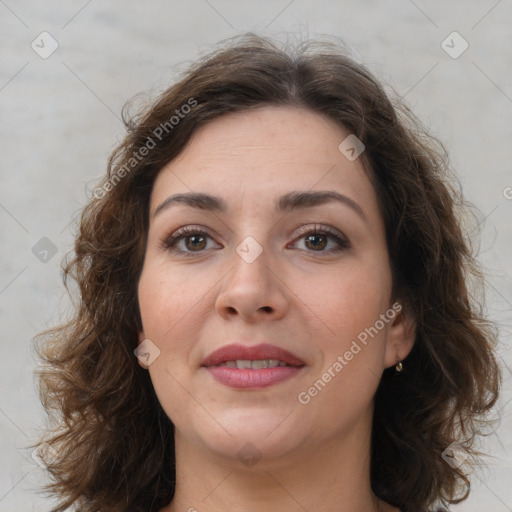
{"points": [[251, 368], [244, 353]]}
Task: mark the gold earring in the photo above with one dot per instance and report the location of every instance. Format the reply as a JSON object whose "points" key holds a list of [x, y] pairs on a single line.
{"points": [[399, 367]]}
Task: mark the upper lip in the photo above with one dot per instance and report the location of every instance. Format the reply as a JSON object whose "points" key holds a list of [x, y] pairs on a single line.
{"points": [[252, 353]]}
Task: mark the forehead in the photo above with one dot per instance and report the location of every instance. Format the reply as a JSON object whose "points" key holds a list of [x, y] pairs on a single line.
{"points": [[264, 153]]}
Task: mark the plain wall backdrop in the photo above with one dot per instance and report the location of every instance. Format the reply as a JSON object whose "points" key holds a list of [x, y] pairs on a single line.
{"points": [[60, 119]]}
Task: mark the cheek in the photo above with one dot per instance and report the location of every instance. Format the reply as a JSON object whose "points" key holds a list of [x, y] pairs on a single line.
{"points": [[165, 297], [166, 306], [348, 304], [352, 306], [346, 301], [165, 303]]}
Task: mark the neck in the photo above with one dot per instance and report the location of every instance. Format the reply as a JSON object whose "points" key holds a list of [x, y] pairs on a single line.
{"points": [[329, 477]]}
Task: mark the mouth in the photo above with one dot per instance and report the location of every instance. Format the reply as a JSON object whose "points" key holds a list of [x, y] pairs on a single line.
{"points": [[258, 364], [246, 367]]}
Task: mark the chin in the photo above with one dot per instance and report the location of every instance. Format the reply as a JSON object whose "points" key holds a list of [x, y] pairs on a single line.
{"points": [[269, 434]]}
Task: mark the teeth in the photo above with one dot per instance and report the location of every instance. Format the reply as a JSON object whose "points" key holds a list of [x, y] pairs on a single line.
{"points": [[244, 364], [257, 365]]}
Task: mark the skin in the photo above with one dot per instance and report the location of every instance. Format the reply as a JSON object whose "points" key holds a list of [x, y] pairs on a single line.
{"points": [[296, 295]]}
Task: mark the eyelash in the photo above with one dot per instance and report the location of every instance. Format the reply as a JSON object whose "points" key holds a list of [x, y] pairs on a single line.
{"points": [[169, 243]]}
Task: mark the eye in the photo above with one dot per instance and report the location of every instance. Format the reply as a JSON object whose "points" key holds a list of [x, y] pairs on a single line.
{"points": [[187, 240], [192, 239], [317, 238]]}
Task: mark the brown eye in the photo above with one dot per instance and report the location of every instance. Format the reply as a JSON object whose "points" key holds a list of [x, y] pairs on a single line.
{"points": [[189, 240], [316, 241], [194, 242], [318, 238], [186, 241]]}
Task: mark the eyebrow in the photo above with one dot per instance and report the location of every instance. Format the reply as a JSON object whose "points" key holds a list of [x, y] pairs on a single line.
{"points": [[286, 203]]}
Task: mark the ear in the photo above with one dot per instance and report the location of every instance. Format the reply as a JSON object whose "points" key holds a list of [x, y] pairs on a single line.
{"points": [[400, 338]]}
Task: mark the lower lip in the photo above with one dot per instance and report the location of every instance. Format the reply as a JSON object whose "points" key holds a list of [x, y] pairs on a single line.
{"points": [[252, 379]]}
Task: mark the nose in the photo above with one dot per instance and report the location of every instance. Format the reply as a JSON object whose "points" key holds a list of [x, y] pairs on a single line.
{"points": [[253, 291]]}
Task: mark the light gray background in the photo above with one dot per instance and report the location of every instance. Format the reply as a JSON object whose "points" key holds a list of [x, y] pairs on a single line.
{"points": [[60, 120]]}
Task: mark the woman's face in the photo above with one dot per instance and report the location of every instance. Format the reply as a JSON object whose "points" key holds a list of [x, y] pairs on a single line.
{"points": [[271, 264]]}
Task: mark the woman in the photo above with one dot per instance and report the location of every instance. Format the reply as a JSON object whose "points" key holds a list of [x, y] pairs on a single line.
{"points": [[273, 303]]}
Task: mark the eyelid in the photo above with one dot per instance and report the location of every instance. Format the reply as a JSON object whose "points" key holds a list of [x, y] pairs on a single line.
{"points": [[169, 241], [308, 228], [341, 239], [175, 236]]}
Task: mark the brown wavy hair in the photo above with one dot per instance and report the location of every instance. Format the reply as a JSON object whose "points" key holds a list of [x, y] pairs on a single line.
{"points": [[114, 445]]}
